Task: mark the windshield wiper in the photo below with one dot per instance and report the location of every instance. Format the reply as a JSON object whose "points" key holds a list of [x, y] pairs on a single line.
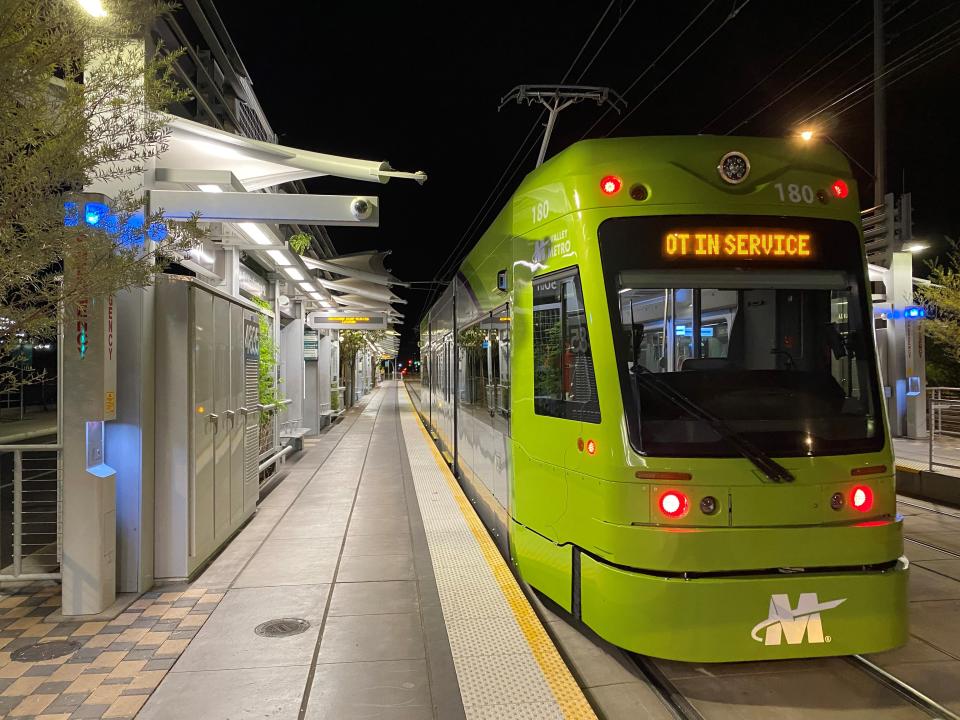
{"points": [[763, 462]]}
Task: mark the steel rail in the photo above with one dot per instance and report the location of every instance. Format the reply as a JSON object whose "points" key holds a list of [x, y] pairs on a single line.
{"points": [[665, 690], [905, 691], [928, 509], [931, 546]]}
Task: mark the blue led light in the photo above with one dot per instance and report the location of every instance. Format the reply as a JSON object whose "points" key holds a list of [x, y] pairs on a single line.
{"points": [[132, 233], [71, 214], [157, 231], [914, 313], [94, 212], [111, 224]]}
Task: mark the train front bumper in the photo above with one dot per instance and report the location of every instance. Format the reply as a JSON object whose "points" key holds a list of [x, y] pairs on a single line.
{"points": [[746, 617]]}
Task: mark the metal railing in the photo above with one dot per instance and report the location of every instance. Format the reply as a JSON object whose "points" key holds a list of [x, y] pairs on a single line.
{"points": [[31, 512], [943, 421]]}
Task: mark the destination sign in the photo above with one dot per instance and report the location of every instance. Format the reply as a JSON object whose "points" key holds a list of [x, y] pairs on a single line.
{"points": [[738, 243], [320, 320]]}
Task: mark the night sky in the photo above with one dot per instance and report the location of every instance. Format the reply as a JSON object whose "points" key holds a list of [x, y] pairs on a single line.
{"points": [[419, 83]]}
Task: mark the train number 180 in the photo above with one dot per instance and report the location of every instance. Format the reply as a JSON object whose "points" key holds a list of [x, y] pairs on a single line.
{"points": [[795, 193], [540, 211]]}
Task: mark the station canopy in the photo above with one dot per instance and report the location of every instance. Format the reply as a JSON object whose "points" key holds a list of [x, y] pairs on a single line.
{"points": [[203, 169], [257, 164]]}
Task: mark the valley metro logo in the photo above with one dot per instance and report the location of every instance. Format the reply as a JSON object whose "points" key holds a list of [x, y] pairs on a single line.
{"points": [[794, 624]]}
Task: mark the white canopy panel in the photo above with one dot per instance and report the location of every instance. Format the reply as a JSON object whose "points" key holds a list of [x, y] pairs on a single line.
{"points": [[258, 164]]}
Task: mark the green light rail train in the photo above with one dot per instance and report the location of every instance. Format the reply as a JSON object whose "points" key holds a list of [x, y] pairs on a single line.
{"points": [[655, 376]]}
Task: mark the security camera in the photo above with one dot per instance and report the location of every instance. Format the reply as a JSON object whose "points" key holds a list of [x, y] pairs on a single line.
{"points": [[361, 208]]}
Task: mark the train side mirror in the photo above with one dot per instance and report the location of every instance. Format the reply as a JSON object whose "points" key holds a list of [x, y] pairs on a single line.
{"points": [[502, 281]]}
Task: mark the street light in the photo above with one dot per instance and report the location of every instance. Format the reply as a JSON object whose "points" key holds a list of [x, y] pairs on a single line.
{"points": [[806, 135], [93, 7], [916, 247]]}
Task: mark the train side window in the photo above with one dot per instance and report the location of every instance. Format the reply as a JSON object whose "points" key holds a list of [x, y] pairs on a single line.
{"points": [[564, 383]]}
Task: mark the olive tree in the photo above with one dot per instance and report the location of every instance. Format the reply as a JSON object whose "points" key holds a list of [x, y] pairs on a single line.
{"points": [[79, 105]]}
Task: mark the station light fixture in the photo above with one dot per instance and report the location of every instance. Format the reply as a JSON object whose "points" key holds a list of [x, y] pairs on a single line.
{"points": [[309, 287], [916, 247], [293, 273], [211, 188], [674, 504], [279, 257], [318, 297], [94, 8], [255, 233]]}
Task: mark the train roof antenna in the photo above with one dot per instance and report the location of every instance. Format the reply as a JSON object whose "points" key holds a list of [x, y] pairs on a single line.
{"points": [[559, 97]]}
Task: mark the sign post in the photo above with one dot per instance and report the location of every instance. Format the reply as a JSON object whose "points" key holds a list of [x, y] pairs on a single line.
{"points": [[89, 484]]}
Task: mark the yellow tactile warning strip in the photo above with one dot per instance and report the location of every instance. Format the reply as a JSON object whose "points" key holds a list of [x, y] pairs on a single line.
{"points": [[912, 467], [117, 664], [511, 691]]}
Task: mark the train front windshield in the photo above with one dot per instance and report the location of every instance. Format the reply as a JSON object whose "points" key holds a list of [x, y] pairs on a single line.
{"points": [[735, 330]]}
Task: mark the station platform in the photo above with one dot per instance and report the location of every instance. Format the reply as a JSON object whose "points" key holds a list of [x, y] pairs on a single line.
{"points": [[364, 587]]}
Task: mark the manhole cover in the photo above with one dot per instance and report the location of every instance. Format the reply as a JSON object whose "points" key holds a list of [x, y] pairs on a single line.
{"points": [[45, 651], [284, 627]]}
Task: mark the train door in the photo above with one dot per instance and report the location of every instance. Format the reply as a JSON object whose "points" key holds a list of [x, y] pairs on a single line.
{"points": [[564, 398]]}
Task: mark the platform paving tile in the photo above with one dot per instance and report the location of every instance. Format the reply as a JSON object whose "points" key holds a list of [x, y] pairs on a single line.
{"points": [[94, 681], [355, 638], [247, 694], [379, 544], [372, 568], [290, 562], [388, 597], [228, 641], [386, 690]]}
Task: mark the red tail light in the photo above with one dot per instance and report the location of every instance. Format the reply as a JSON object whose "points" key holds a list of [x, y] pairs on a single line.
{"points": [[840, 189], [611, 184], [861, 498], [674, 504]]}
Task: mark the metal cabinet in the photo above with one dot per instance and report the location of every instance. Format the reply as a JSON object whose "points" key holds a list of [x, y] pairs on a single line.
{"points": [[207, 423]]}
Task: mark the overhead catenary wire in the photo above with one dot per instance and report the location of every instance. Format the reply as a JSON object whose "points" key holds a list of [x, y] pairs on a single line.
{"points": [[506, 176], [905, 58], [942, 51], [652, 64], [781, 64], [853, 41], [733, 14]]}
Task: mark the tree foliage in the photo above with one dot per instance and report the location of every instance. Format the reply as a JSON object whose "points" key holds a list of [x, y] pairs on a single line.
{"points": [[942, 326], [269, 393], [300, 242], [79, 105]]}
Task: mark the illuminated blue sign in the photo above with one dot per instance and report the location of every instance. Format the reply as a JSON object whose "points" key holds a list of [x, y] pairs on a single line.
{"points": [[687, 331], [98, 215], [914, 313]]}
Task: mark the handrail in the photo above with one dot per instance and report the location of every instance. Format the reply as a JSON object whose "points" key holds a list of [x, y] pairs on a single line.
{"points": [[275, 458], [11, 448]]}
